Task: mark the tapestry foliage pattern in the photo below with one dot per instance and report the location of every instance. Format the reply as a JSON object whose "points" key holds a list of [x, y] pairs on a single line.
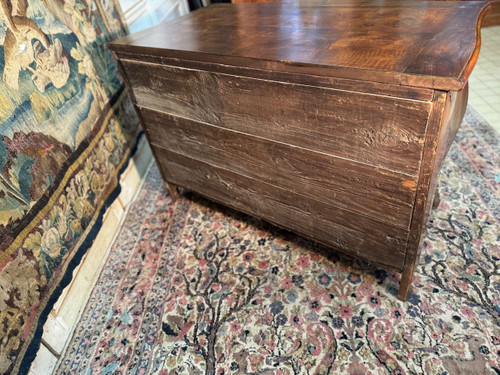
{"points": [[67, 127]]}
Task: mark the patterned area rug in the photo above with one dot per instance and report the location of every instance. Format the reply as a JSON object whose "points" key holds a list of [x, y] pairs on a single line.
{"points": [[194, 288]]}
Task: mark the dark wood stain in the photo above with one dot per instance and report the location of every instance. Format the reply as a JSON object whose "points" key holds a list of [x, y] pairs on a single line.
{"points": [[398, 91], [331, 119], [312, 218], [340, 182], [375, 129], [412, 43], [493, 18]]}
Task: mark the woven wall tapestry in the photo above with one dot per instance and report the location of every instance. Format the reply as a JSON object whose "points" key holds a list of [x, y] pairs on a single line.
{"points": [[67, 128]]}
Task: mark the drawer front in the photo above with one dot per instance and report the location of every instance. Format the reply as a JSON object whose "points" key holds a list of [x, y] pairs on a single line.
{"points": [[378, 130], [347, 231], [363, 189]]}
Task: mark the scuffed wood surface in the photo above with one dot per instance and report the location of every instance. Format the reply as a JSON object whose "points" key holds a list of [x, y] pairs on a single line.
{"points": [[361, 188], [355, 234], [394, 90], [377, 130], [334, 127]]}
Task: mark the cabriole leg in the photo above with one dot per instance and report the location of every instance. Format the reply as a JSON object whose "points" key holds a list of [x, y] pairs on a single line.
{"points": [[437, 198], [404, 285], [172, 190]]}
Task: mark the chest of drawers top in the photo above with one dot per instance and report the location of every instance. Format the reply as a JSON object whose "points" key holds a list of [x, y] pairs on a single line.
{"points": [[412, 43]]}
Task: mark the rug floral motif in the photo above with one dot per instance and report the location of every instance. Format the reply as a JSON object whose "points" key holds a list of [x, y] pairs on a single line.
{"points": [[67, 128], [191, 287]]}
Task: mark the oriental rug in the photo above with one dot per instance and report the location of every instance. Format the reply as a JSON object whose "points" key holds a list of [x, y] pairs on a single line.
{"points": [[67, 129], [191, 287]]}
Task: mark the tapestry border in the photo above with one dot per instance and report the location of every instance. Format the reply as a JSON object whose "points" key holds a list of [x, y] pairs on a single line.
{"points": [[30, 351]]}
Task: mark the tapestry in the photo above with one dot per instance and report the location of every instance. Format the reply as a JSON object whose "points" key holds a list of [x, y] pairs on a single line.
{"points": [[191, 287], [67, 127]]}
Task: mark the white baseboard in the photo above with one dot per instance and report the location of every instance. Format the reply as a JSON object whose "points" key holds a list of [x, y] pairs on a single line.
{"points": [[66, 312]]}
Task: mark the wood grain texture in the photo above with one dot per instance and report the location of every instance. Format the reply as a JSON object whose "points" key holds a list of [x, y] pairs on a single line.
{"points": [[493, 17], [422, 44], [394, 90], [328, 119], [312, 218], [377, 130], [446, 115], [357, 187]]}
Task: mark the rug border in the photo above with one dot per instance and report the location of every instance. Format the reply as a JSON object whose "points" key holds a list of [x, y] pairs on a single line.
{"points": [[36, 341]]}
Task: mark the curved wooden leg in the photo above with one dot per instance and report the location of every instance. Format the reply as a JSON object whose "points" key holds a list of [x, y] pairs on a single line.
{"points": [[437, 198], [404, 285], [172, 190]]}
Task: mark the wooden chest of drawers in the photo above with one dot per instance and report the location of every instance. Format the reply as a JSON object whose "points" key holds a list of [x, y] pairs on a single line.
{"points": [[328, 119]]}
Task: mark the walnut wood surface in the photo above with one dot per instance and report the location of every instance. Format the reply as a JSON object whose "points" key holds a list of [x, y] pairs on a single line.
{"points": [[444, 120], [493, 17], [424, 44], [343, 183], [348, 232], [394, 90], [421, 206], [331, 121], [373, 129]]}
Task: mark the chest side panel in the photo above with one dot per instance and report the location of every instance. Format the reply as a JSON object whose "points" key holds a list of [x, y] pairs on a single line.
{"points": [[361, 188], [373, 129], [342, 229], [338, 166]]}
